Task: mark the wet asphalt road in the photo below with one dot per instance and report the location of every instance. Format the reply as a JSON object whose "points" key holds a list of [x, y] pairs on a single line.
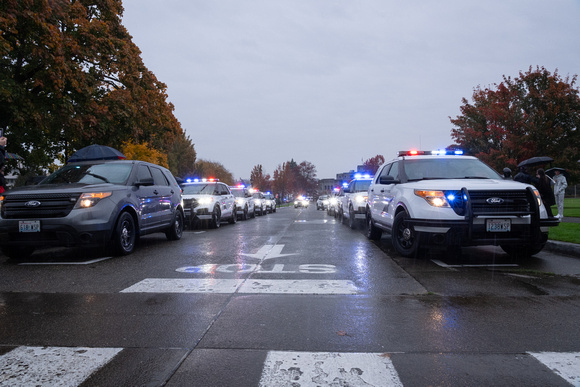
{"points": [[217, 307]]}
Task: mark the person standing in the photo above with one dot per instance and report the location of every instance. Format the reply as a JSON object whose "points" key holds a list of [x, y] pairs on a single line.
{"points": [[560, 191], [544, 186], [3, 141]]}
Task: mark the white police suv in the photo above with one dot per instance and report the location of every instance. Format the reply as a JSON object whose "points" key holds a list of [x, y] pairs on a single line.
{"points": [[245, 207], [447, 199], [353, 200], [209, 201]]}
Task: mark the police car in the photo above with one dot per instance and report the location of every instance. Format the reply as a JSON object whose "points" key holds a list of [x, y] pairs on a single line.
{"points": [[208, 201], [447, 199], [353, 201], [244, 204]]}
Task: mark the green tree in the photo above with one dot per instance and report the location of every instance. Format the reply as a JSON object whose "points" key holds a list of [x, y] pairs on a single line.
{"points": [[71, 76], [535, 114]]}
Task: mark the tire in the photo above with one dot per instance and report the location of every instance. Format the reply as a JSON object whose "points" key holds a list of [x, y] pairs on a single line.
{"points": [[405, 239], [521, 251], [125, 235], [18, 252], [351, 220], [373, 233], [340, 216], [274, 209], [234, 218], [253, 214], [216, 218], [245, 214], [175, 231]]}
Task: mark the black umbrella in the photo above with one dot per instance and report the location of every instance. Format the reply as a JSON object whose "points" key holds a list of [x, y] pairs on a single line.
{"points": [[552, 171], [96, 152], [535, 161]]}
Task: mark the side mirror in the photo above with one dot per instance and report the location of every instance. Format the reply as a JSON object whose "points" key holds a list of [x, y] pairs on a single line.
{"points": [[388, 180], [346, 190], [145, 182]]}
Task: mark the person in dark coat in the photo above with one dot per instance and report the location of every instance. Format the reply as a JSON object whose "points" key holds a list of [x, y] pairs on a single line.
{"points": [[544, 186], [3, 141], [524, 177]]}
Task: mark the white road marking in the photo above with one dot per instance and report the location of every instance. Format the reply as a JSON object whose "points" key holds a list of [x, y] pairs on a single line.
{"points": [[328, 369], [52, 366], [443, 264], [66, 263], [268, 252], [240, 268], [564, 364], [186, 285]]}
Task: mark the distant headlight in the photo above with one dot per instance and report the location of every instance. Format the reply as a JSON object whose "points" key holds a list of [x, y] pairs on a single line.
{"points": [[88, 200]]}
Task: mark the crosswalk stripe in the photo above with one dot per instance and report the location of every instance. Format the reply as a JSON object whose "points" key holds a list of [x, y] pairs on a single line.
{"points": [[52, 366], [565, 364], [328, 369], [186, 285], [66, 366]]}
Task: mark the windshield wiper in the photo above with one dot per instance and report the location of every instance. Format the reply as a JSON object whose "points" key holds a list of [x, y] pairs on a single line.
{"points": [[98, 177], [475, 177]]}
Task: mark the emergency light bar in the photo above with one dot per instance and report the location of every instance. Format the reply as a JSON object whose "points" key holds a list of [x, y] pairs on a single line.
{"points": [[440, 152]]}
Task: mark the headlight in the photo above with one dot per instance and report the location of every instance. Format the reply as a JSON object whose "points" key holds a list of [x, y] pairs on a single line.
{"points": [[207, 200], [538, 197], [434, 198], [88, 200], [360, 199]]}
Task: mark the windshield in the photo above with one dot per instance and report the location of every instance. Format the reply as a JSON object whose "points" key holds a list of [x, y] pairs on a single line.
{"points": [[448, 168], [90, 174], [362, 186], [199, 189], [239, 193]]}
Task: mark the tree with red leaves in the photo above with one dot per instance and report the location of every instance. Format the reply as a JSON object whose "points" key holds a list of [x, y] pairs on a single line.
{"points": [[535, 114]]}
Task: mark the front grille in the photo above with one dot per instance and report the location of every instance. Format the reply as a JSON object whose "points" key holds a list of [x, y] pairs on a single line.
{"points": [[56, 205], [500, 202], [190, 203]]}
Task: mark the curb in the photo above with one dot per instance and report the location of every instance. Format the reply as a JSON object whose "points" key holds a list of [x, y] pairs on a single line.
{"points": [[572, 249]]}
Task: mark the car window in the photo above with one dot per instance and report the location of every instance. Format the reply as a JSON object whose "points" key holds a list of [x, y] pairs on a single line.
{"points": [[391, 170], [143, 172], [159, 177], [361, 186], [90, 174], [201, 189], [448, 168]]}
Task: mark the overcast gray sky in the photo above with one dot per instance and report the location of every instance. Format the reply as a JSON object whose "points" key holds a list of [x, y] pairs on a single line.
{"points": [[334, 82]]}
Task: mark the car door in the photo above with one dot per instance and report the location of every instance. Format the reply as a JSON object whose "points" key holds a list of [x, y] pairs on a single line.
{"points": [[164, 193], [380, 194], [147, 196], [227, 199]]}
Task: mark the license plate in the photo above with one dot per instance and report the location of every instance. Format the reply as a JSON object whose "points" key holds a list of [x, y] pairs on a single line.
{"points": [[29, 226], [499, 225]]}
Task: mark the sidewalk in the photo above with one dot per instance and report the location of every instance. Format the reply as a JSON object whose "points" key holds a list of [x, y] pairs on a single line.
{"points": [[564, 247]]}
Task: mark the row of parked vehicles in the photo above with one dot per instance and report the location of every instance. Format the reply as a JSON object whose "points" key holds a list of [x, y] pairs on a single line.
{"points": [[113, 203], [208, 202], [445, 200]]}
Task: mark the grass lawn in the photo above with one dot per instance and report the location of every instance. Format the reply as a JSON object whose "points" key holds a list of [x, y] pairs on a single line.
{"points": [[567, 232]]}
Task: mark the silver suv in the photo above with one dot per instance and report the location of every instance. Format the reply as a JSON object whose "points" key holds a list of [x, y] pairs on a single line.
{"points": [[91, 203], [449, 200]]}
